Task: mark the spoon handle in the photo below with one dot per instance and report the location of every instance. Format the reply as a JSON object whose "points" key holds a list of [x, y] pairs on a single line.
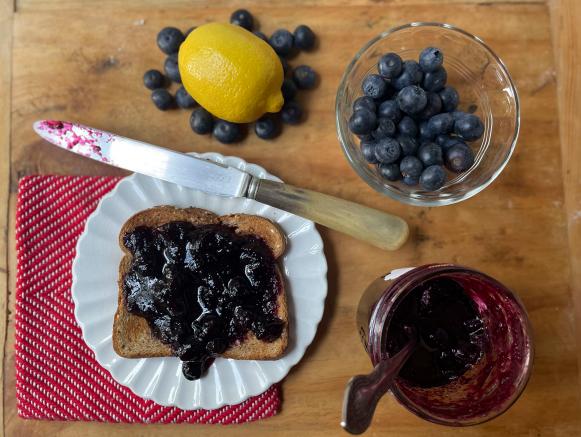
{"points": [[364, 391]]}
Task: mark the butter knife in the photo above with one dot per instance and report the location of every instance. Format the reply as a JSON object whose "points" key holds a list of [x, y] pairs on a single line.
{"points": [[378, 228]]}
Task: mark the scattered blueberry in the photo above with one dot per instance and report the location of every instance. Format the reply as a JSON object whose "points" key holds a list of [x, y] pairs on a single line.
{"points": [[153, 79], [412, 99], [169, 40], [390, 65], [450, 98], [407, 126], [289, 89], [459, 158], [389, 109], [171, 68], [162, 99], [430, 154], [390, 171], [410, 166], [469, 127], [261, 35], [385, 128], [305, 77], [435, 80], [242, 18], [266, 127], [282, 42], [201, 121], [226, 132], [425, 132], [374, 86], [285, 65], [368, 151], [362, 122], [433, 178], [364, 102], [431, 59], [433, 107], [441, 123], [411, 75], [187, 32], [387, 150], [183, 99], [291, 113], [304, 37], [409, 145]]}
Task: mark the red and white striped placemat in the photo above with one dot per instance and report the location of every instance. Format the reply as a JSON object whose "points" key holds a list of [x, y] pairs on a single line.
{"points": [[57, 376]]}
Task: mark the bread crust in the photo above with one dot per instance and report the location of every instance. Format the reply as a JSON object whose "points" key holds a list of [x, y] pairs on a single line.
{"points": [[132, 336]]}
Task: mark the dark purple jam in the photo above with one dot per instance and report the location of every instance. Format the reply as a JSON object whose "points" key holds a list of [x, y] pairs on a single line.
{"points": [[201, 289], [451, 333]]}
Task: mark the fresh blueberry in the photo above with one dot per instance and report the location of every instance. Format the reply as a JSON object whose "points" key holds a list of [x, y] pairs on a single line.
{"points": [[431, 59], [190, 30], [374, 86], [226, 132], [153, 79], [456, 115], [266, 127], [162, 99], [261, 35], [441, 123], [435, 80], [412, 99], [305, 77], [390, 171], [390, 65], [362, 122], [183, 99], [450, 98], [430, 154], [291, 113], [433, 178], [171, 68], [285, 65], [368, 151], [304, 37], [425, 132], [411, 166], [440, 140], [364, 102], [459, 158], [169, 40], [452, 141], [385, 128], [410, 180], [469, 127], [407, 126], [201, 121], [289, 89], [411, 75], [390, 109], [433, 107], [242, 18], [387, 150], [409, 145], [282, 42]]}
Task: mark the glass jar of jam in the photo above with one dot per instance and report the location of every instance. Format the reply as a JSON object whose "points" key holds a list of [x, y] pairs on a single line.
{"points": [[475, 350]]}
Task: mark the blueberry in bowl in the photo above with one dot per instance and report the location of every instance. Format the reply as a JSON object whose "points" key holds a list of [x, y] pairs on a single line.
{"points": [[452, 102]]}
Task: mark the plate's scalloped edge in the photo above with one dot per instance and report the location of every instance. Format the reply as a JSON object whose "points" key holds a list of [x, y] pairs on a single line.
{"points": [[234, 161]]}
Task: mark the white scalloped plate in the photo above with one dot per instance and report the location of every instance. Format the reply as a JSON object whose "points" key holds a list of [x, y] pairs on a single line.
{"points": [[227, 382]]}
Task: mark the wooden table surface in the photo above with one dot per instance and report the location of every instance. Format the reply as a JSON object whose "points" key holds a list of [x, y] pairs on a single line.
{"points": [[81, 60]]}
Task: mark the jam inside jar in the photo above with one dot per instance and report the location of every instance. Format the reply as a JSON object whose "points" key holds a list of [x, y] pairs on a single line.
{"points": [[474, 355]]}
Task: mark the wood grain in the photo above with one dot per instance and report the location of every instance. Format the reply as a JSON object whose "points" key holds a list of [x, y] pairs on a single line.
{"points": [[87, 67]]}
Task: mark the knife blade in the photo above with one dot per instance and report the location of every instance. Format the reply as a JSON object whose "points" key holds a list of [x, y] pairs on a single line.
{"points": [[381, 229]]}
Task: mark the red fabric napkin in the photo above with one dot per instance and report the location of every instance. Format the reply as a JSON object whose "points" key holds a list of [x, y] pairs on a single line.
{"points": [[57, 376]]}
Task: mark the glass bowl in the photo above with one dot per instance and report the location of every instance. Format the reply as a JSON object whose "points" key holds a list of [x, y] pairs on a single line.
{"points": [[485, 88]]}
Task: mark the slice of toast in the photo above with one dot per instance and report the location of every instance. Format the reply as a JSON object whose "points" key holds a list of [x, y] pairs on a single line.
{"points": [[132, 336]]}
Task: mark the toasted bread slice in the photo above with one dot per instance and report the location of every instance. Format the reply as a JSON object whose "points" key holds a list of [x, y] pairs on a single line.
{"points": [[132, 337]]}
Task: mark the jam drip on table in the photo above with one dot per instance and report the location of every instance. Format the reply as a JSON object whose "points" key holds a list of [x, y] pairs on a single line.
{"points": [[451, 333], [201, 289]]}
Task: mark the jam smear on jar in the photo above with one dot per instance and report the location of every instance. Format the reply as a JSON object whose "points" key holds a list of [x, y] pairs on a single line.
{"points": [[202, 288], [451, 333]]}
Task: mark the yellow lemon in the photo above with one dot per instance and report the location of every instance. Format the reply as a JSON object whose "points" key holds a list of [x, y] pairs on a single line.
{"points": [[231, 72]]}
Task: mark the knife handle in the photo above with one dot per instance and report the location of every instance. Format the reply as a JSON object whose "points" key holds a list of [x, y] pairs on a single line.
{"points": [[378, 228]]}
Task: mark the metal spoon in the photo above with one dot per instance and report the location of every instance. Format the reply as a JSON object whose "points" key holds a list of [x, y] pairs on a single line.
{"points": [[364, 391]]}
